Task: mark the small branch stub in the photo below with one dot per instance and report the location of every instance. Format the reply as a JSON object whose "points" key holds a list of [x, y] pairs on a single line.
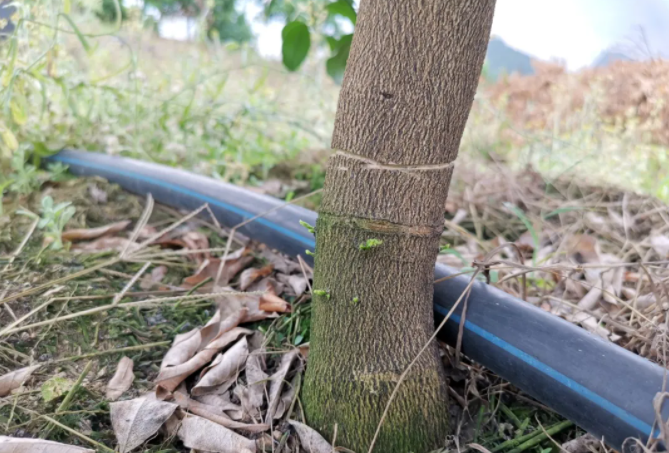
{"points": [[322, 292], [309, 228], [370, 244]]}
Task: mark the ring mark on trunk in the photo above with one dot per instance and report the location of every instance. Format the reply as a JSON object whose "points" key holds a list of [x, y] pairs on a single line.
{"points": [[374, 165], [383, 226]]}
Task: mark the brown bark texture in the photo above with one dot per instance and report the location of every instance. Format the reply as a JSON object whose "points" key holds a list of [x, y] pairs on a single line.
{"points": [[408, 88]]}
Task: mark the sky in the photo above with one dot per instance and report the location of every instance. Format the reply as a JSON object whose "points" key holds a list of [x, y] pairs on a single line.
{"points": [[572, 31], [576, 31]]}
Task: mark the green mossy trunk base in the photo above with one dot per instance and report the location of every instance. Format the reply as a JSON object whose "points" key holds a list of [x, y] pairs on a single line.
{"points": [[416, 422], [370, 320]]}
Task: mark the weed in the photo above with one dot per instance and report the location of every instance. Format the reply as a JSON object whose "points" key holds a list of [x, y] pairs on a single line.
{"points": [[53, 220]]}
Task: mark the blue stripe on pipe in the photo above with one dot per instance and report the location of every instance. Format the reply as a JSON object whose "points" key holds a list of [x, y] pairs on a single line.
{"points": [[212, 201], [553, 373], [477, 330]]}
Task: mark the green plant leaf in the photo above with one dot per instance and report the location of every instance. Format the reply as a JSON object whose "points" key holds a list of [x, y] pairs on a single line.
{"points": [[332, 42], [80, 35], [10, 139], [65, 217], [342, 8], [55, 387], [27, 213], [336, 64], [296, 43], [560, 211], [62, 205], [47, 203], [18, 108]]}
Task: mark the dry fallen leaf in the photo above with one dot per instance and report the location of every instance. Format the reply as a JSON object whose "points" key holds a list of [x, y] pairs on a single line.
{"points": [[583, 248], [196, 240], [273, 304], [234, 263], [311, 441], [82, 234], [135, 421], [170, 378], [251, 275], [15, 379], [201, 434], [267, 285], [211, 329], [645, 301], [249, 302], [204, 411], [298, 283], [304, 350], [184, 347], [253, 395], [277, 381], [287, 398], [104, 244], [224, 368], [122, 379], [156, 276], [582, 444], [661, 245], [589, 301], [172, 425], [281, 264], [221, 402], [25, 445]]}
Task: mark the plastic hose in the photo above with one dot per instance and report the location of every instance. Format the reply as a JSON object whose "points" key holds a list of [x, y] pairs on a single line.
{"points": [[603, 388]]}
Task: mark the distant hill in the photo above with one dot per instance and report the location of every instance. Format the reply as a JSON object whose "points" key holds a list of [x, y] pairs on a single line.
{"points": [[609, 56], [503, 59]]}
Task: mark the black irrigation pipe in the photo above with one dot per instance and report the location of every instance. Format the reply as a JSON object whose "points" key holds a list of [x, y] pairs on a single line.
{"points": [[603, 388]]}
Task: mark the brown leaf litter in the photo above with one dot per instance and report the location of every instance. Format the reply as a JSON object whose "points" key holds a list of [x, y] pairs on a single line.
{"points": [[600, 260], [136, 421], [200, 373], [122, 379], [15, 379]]}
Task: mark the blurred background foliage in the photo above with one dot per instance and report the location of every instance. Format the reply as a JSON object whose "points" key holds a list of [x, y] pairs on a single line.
{"points": [[97, 75]]}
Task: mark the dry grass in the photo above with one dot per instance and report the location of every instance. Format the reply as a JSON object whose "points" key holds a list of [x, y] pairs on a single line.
{"points": [[596, 256]]}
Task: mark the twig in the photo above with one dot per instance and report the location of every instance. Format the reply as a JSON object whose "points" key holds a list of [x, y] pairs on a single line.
{"points": [[141, 223], [164, 231], [24, 317], [67, 278], [139, 303], [303, 266], [192, 290], [68, 429], [132, 281], [112, 351], [23, 243]]}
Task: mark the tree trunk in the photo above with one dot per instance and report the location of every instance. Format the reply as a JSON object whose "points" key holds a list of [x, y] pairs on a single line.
{"points": [[408, 88]]}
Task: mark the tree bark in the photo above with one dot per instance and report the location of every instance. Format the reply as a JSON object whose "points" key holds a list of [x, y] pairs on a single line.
{"points": [[408, 88]]}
